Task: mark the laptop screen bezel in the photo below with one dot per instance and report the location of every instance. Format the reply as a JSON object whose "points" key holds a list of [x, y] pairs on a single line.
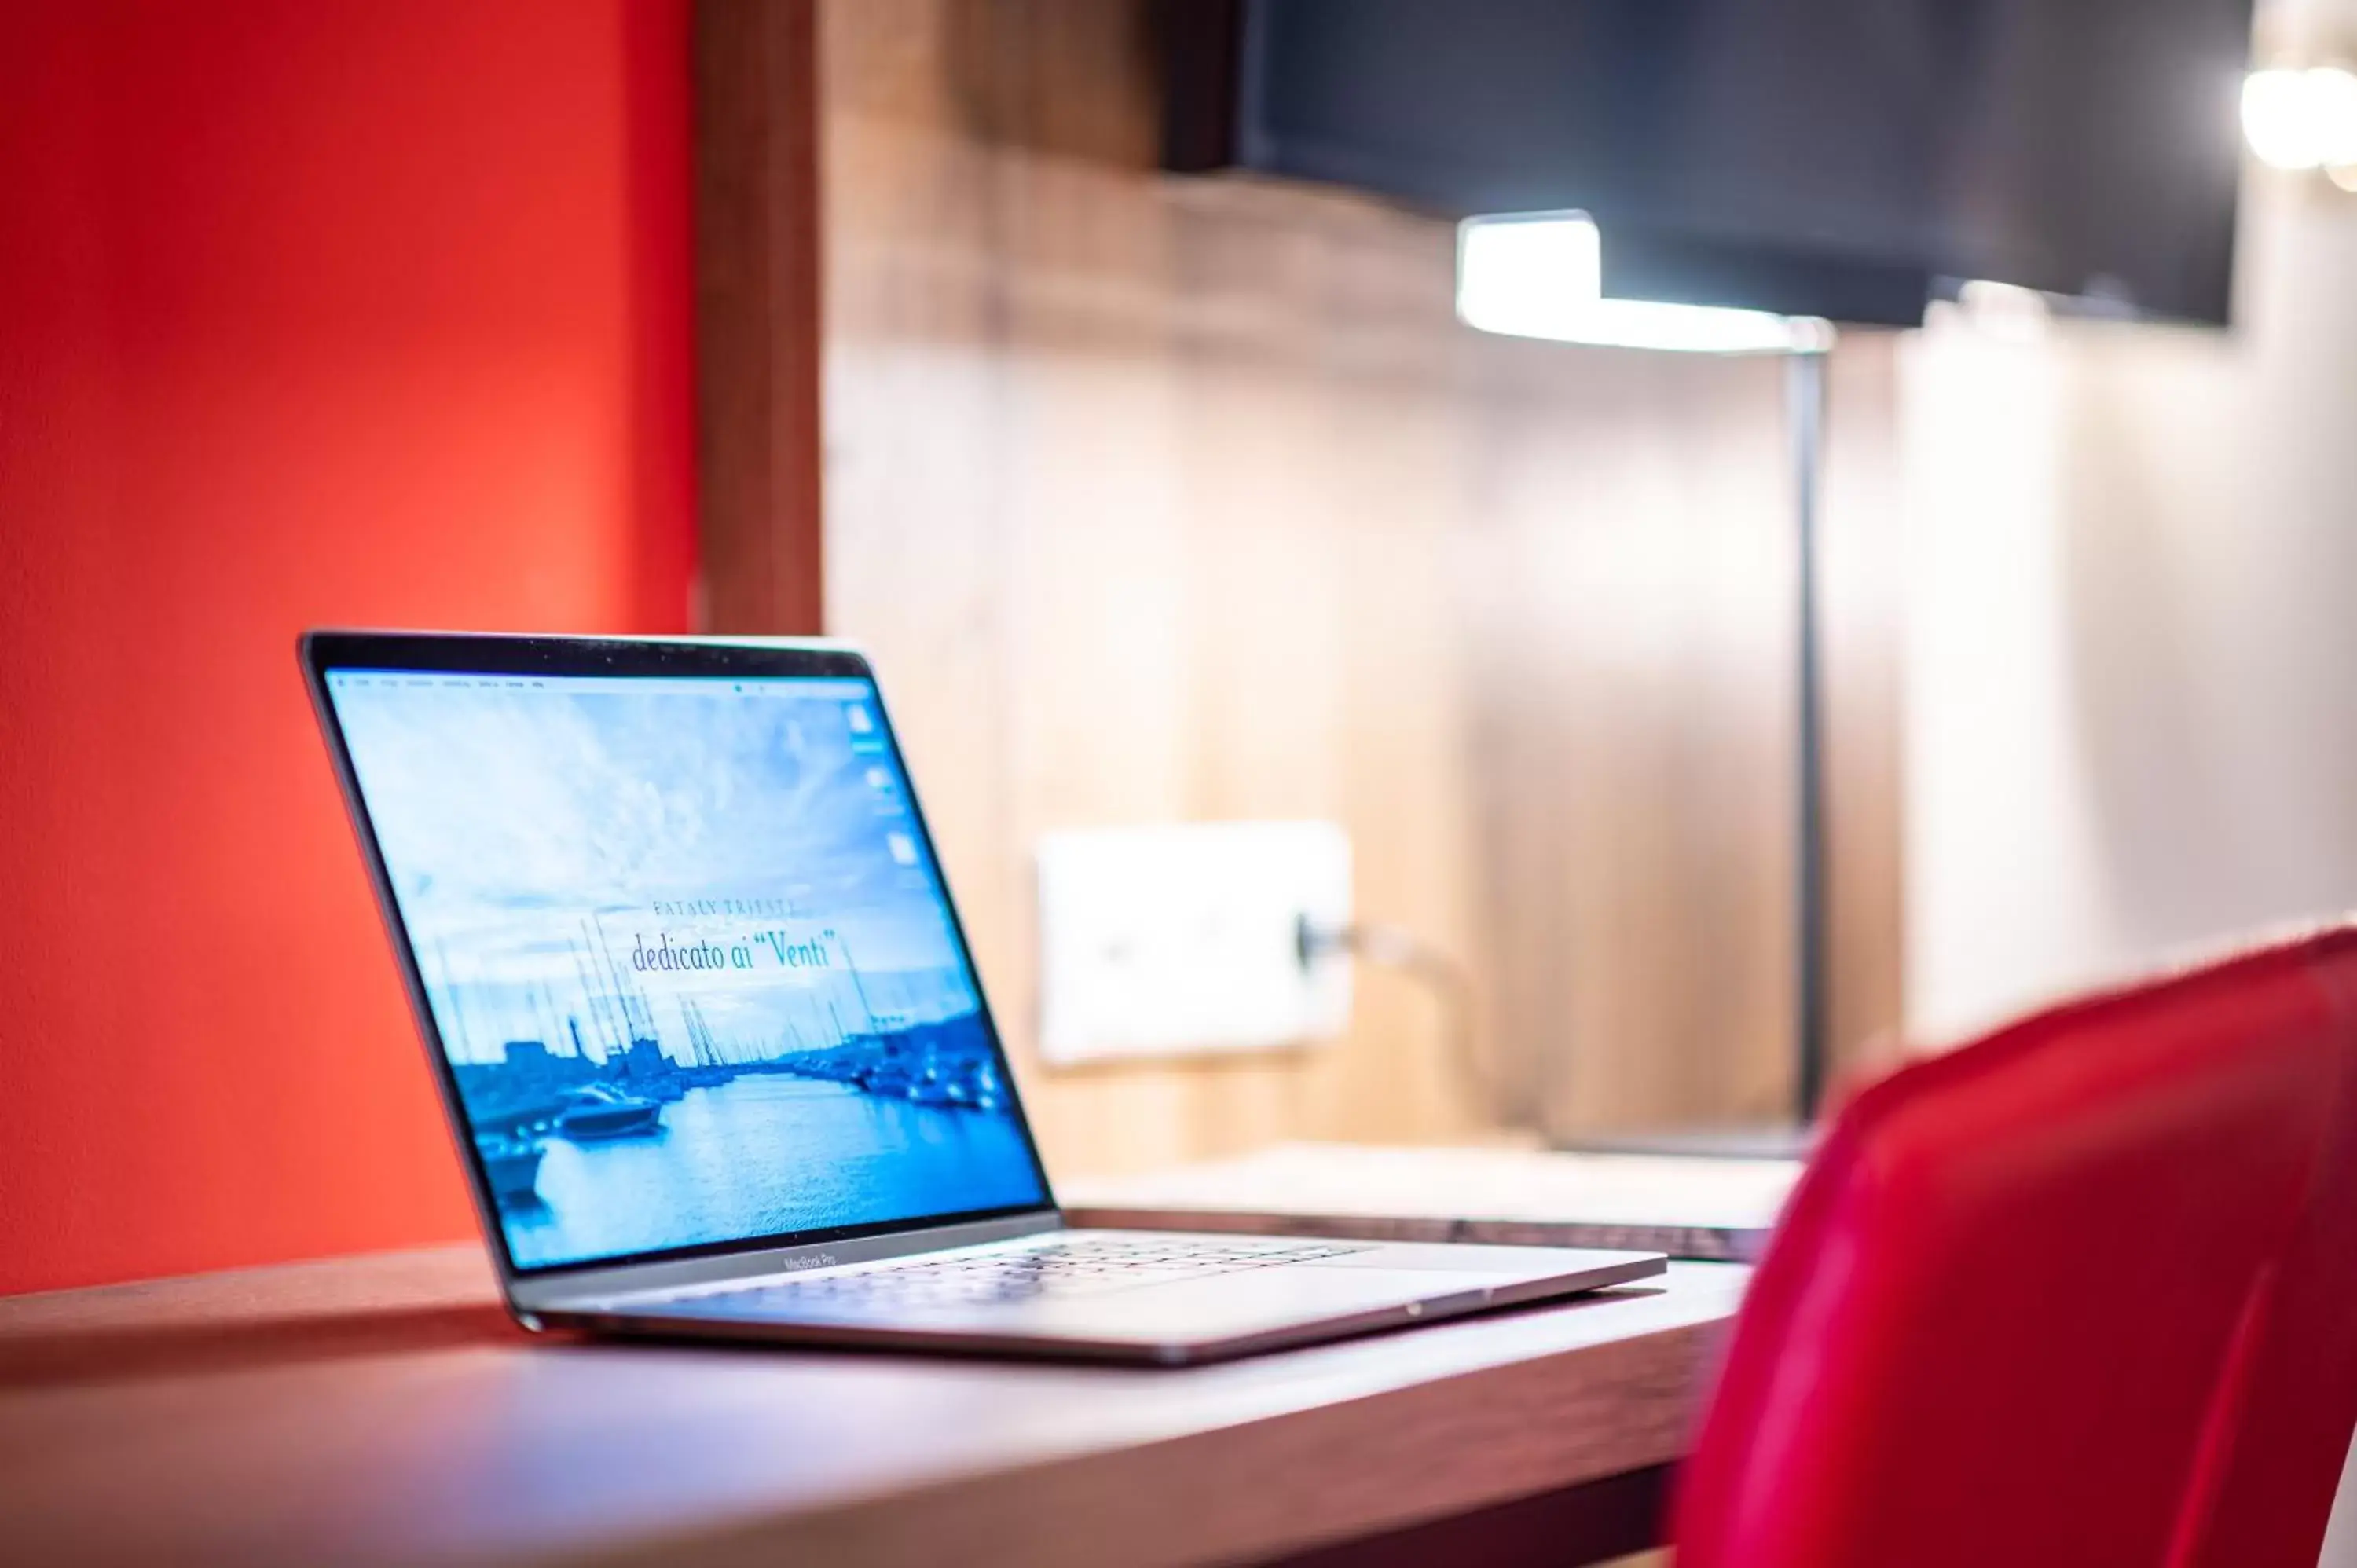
{"points": [[328, 653]]}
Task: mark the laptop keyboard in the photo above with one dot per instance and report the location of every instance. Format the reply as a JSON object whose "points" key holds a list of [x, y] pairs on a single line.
{"points": [[1090, 1266]]}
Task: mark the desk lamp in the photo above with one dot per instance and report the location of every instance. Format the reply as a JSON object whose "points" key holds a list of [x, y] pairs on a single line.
{"points": [[1540, 274]]}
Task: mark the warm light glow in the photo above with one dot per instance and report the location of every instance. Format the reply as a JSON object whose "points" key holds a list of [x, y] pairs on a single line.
{"points": [[1540, 274], [2301, 119]]}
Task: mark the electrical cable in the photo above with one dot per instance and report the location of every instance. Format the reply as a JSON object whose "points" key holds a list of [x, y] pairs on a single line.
{"points": [[1412, 957]]}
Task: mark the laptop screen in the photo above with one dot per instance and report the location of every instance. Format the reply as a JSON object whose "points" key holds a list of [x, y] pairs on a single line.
{"points": [[689, 957]]}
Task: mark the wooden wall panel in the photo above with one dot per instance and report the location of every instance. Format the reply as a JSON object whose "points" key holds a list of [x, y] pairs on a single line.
{"points": [[756, 292], [1864, 557], [1164, 499], [1635, 699]]}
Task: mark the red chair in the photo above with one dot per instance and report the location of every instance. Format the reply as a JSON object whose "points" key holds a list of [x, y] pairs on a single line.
{"points": [[2281, 1426], [1994, 1322]]}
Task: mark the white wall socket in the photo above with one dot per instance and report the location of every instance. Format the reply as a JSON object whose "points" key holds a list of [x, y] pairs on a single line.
{"points": [[1157, 941]]}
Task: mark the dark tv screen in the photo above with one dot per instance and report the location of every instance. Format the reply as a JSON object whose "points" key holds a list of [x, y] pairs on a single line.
{"points": [[1824, 158]]}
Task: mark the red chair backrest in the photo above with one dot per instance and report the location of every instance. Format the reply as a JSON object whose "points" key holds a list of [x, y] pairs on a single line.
{"points": [[2281, 1426], [1991, 1326]]}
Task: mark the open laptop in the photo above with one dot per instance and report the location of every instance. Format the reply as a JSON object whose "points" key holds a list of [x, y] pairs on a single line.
{"points": [[711, 1041]]}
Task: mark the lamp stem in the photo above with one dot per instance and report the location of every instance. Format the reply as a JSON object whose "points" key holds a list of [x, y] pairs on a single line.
{"points": [[1804, 413]]}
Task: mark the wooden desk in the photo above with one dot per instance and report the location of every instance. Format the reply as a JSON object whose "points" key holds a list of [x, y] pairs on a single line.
{"points": [[382, 1410]]}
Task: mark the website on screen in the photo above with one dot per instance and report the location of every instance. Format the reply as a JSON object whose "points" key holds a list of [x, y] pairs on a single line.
{"points": [[689, 957]]}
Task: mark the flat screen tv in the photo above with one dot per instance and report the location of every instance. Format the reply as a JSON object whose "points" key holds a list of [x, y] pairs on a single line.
{"points": [[1842, 159]]}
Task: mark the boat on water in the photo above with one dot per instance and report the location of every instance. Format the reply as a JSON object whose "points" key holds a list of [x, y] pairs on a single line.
{"points": [[964, 1086], [981, 1089], [598, 1111], [513, 1166], [946, 1081], [887, 1078], [646, 1072]]}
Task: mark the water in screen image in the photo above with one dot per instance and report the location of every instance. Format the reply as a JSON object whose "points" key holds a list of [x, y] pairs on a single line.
{"points": [[690, 960]]}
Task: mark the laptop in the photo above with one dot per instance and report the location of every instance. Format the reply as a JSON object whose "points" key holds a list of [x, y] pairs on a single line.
{"points": [[711, 1041]]}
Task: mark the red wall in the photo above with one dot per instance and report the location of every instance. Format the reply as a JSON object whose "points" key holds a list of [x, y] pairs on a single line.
{"points": [[313, 312]]}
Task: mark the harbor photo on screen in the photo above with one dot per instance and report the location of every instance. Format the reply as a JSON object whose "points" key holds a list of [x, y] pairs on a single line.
{"points": [[688, 955]]}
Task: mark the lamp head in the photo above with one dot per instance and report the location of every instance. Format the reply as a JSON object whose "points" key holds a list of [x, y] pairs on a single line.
{"points": [[1540, 274]]}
